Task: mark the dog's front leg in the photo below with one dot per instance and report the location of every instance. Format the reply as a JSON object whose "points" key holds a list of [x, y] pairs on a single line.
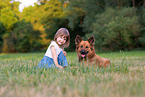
{"points": [[86, 64]]}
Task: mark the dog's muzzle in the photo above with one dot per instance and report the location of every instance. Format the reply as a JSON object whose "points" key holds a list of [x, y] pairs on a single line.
{"points": [[83, 53]]}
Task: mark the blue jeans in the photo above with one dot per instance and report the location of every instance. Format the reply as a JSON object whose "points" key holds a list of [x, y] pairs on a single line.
{"points": [[48, 62]]}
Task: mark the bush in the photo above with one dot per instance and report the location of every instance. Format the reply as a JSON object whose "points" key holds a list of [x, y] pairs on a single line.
{"points": [[23, 38], [116, 29], [2, 31]]}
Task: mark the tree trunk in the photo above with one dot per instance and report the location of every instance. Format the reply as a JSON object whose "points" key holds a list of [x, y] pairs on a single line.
{"points": [[118, 3], [133, 3], [144, 4]]}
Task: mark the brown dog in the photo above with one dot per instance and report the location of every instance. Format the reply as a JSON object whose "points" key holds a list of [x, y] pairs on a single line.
{"points": [[86, 52]]}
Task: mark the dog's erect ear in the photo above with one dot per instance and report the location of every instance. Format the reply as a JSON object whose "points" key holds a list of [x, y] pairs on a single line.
{"points": [[91, 40], [78, 39]]}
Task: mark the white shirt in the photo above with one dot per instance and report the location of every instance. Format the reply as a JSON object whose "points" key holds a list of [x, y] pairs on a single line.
{"points": [[57, 48]]}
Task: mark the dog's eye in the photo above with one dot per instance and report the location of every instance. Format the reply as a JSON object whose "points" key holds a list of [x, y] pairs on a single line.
{"points": [[87, 47], [81, 46]]}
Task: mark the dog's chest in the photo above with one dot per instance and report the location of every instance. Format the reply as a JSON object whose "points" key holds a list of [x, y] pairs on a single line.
{"points": [[90, 61]]}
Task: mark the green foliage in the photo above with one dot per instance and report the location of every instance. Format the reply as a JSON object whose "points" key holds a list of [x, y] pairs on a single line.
{"points": [[2, 31], [91, 7], [141, 15], [142, 38], [116, 29], [76, 13], [8, 18], [54, 17], [116, 25], [117, 3], [47, 18], [25, 37], [5, 3]]}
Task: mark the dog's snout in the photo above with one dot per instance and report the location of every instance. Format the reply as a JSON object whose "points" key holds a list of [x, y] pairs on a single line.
{"points": [[83, 52]]}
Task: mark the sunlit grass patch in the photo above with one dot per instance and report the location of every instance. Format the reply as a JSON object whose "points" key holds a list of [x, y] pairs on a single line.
{"points": [[2, 54], [124, 78]]}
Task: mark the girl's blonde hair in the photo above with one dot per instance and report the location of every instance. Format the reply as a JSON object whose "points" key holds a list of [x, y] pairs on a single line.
{"points": [[65, 32]]}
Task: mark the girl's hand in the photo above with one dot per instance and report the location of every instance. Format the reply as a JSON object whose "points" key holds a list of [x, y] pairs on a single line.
{"points": [[60, 67], [64, 52]]}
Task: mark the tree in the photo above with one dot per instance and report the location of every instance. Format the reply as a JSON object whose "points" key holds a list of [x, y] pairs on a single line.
{"points": [[25, 38], [142, 30], [53, 17], [34, 15], [116, 29], [8, 18], [2, 31]]}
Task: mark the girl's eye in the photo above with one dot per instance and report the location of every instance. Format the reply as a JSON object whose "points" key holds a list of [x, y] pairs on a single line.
{"points": [[87, 47], [81, 46], [61, 36]]}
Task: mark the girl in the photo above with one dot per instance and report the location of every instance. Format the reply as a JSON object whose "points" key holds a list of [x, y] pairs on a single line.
{"points": [[55, 56]]}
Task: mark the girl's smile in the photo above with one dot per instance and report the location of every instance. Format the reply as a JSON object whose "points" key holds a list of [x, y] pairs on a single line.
{"points": [[61, 40]]}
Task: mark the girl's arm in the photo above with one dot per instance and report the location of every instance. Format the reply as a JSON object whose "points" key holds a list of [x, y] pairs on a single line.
{"points": [[55, 57], [64, 52]]}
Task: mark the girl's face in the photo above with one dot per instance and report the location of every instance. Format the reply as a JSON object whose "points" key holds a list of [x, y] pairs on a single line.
{"points": [[61, 40]]}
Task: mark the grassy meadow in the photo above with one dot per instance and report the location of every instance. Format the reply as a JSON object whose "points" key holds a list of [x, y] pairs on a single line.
{"points": [[124, 78]]}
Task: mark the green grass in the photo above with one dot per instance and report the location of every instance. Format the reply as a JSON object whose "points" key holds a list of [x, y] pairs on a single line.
{"points": [[124, 78]]}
